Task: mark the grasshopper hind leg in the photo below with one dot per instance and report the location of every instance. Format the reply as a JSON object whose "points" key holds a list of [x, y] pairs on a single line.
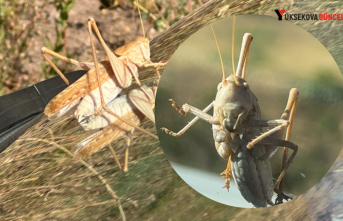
{"points": [[279, 142], [128, 143], [126, 158], [281, 196], [114, 156]]}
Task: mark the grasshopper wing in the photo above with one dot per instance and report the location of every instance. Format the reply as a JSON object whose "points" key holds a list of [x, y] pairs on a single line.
{"points": [[143, 103], [103, 137], [71, 96], [120, 106], [121, 72], [91, 102]]}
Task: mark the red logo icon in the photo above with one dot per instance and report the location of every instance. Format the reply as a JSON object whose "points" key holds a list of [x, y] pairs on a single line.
{"points": [[282, 11]]}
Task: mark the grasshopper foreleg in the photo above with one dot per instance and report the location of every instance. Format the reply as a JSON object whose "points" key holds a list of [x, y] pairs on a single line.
{"points": [[182, 112], [199, 113], [84, 65], [177, 107]]}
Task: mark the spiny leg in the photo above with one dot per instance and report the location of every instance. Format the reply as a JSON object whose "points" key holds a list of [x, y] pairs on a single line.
{"points": [[114, 156], [182, 112], [266, 139], [258, 139], [82, 64], [287, 115], [243, 57], [291, 105], [90, 24], [109, 53], [227, 174], [282, 196], [44, 51], [278, 142], [197, 112], [128, 143], [177, 107], [245, 66]]}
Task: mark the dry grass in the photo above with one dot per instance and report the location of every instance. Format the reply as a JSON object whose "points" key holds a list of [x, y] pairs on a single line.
{"points": [[41, 170]]}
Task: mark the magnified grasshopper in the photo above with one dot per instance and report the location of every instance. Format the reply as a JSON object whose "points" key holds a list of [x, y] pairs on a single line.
{"points": [[239, 138], [102, 86]]}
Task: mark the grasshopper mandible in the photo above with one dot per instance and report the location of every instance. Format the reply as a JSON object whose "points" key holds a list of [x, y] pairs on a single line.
{"points": [[102, 86], [239, 138]]}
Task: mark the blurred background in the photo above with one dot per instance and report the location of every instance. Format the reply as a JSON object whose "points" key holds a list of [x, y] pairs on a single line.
{"points": [[282, 56]]}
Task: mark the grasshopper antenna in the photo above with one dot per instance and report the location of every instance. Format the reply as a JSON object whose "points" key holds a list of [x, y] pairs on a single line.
{"points": [[140, 16], [224, 81], [220, 56], [233, 45]]}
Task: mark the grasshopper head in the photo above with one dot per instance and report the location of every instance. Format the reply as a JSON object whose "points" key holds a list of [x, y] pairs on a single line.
{"points": [[233, 103]]}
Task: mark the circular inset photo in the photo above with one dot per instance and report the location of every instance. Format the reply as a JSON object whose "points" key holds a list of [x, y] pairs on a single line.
{"points": [[282, 92]]}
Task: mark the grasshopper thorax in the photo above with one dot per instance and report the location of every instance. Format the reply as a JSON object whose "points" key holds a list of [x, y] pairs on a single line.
{"points": [[233, 103], [125, 49]]}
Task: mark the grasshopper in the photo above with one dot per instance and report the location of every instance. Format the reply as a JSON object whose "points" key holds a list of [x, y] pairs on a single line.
{"points": [[104, 80], [99, 91], [132, 108], [239, 138]]}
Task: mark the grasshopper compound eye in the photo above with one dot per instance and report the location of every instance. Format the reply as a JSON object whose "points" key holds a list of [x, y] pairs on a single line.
{"points": [[220, 86], [246, 86], [238, 137]]}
